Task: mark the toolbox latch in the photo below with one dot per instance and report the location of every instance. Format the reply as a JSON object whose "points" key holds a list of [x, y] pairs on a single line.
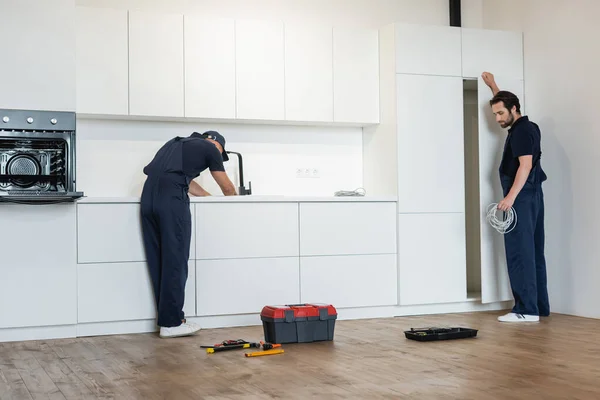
{"points": [[323, 314], [289, 315]]}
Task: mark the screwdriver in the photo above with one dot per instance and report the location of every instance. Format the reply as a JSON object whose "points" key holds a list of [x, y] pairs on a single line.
{"points": [[269, 346]]}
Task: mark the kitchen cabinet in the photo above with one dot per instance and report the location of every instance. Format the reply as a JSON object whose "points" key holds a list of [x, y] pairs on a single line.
{"points": [[499, 52], [347, 228], [355, 75], [102, 77], [241, 286], [248, 230], [428, 50], [113, 233], [156, 82], [308, 73], [38, 269], [431, 258], [259, 70], [431, 174], [209, 67], [37, 71], [349, 281], [123, 292]]}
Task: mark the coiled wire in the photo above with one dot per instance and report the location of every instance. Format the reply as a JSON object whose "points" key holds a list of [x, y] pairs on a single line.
{"points": [[502, 226]]}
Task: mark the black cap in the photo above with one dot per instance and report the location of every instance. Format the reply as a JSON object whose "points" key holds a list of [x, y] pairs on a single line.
{"points": [[217, 137]]}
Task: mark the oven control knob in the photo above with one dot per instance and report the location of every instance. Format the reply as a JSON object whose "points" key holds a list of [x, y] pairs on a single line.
{"points": [[29, 120], [5, 120], [53, 121]]}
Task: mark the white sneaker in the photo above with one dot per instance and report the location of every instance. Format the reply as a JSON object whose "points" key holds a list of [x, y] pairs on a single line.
{"points": [[185, 329], [514, 317]]}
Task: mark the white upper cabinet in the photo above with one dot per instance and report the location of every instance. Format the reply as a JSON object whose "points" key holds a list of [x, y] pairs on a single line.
{"points": [[102, 61], [308, 73], [260, 70], [37, 67], [499, 52], [431, 162], [428, 50], [209, 67], [156, 64], [356, 75]]}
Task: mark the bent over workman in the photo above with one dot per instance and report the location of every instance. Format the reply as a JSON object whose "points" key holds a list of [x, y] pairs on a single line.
{"points": [[521, 177], [167, 223]]}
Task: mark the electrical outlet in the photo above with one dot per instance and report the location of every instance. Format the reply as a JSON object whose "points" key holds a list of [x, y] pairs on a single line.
{"points": [[303, 172]]}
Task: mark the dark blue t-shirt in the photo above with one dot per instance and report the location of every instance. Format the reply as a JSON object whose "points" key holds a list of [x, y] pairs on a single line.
{"points": [[524, 138], [200, 154]]}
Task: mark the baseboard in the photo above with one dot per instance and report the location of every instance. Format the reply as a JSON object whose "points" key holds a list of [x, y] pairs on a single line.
{"points": [[38, 333], [231, 321], [116, 328]]}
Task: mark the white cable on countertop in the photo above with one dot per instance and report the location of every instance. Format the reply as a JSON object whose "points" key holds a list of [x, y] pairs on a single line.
{"points": [[356, 192], [501, 226]]}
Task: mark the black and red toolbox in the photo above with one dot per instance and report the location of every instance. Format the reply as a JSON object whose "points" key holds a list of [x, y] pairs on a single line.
{"points": [[298, 323]]}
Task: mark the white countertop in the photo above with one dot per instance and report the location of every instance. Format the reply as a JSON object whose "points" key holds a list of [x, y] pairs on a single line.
{"points": [[251, 199]]}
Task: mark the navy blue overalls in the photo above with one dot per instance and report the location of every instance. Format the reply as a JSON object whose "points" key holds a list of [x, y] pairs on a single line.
{"points": [[167, 229], [524, 245]]}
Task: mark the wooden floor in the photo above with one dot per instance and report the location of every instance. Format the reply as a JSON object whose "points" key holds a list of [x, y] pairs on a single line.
{"points": [[559, 358]]}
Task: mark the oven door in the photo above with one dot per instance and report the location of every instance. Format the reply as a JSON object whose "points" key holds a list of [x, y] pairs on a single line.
{"points": [[33, 197]]}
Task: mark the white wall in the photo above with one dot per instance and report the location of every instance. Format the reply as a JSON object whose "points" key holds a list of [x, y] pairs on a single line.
{"points": [[112, 154], [272, 153], [562, 60]]}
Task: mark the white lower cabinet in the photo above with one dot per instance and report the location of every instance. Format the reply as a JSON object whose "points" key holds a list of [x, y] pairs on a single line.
{"points": [[243, 286], [349, 281], [432, 258], [113, 233], [123, 292]]}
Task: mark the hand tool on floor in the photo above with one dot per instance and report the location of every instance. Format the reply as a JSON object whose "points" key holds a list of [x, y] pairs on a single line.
{"points": [[233, 347], [264, 353], [226, 343], [269, 346]]}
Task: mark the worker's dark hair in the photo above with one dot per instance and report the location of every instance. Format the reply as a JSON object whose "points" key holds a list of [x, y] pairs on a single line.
{"points": [[508, 98]]}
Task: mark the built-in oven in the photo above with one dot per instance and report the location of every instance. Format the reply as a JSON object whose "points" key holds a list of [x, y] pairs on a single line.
{"points": [[37, 156]]}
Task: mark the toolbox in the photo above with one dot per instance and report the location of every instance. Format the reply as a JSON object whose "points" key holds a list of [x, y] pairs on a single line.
{"points": [[298, 323], [430, 334]]}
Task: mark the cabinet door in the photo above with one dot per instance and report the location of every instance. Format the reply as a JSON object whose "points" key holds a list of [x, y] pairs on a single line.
{"points": [[498, 52], [495, 285], [37, 67], [155, 64], [245, 286], [347, 228], [123, 292], [350, 281], [308, 73], [246, 230], [432, 258], [102, 61], [260, 70], [428, 50], [38, 284], [209, 67], [430, 144], [113, 233], [356, 75]]}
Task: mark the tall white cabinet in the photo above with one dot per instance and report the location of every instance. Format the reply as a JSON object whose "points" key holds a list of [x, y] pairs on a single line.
{"points": [[437, 148]]}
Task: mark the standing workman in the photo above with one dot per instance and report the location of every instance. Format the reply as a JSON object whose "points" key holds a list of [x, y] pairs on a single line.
{"points": [[521, 176], [167, 222]]}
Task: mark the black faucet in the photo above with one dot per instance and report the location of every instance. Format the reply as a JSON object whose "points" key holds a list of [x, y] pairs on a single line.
{"points": [[242, 190]]}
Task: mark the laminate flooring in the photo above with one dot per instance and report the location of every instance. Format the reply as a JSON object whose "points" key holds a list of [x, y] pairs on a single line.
{"points": [[558, 358]]}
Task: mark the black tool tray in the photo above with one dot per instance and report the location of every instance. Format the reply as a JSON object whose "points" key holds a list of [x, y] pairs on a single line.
{"points": [[431, 334]]}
